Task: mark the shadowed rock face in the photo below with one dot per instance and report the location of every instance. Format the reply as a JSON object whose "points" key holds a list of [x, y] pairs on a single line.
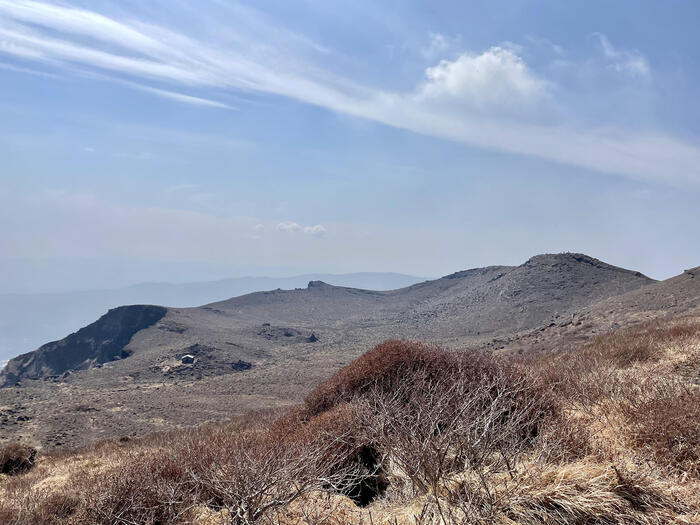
{"points": [[100, 342]]}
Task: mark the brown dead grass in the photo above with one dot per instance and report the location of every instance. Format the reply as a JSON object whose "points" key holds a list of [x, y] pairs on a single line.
{"points": [[606, 434]]}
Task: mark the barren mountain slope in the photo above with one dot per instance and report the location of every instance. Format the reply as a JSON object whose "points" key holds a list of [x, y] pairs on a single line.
{"points": [[270, 348], [29, 320], [675, 296]]}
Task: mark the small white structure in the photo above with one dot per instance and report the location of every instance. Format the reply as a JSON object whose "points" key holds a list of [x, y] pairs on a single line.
{"points": [[187, 359]]}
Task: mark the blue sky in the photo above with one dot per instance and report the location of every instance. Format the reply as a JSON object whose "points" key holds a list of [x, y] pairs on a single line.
{"points": [[154, 140]]}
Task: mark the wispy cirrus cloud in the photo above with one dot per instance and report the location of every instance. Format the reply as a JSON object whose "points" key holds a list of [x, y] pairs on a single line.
{"points": [[26, 70], [171, 95], [631, 63], [475, 98], [438, 45], [180, 97]]}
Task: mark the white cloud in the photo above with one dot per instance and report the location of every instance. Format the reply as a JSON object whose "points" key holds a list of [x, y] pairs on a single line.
{"points": [[26, 71], [490, 99], [77, 21], [289, 226], [178, 97], [496, 77], [631, 63], [512, 46], [257, 232], [317, 230], [438, 45]]}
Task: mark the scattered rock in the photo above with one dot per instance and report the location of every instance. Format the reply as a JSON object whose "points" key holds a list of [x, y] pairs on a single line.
{"points": [[85, 408], [241, 365], [282, 333]]}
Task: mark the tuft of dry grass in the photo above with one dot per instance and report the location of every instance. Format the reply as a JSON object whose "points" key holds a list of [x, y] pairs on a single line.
{"points": [[589, 492]]}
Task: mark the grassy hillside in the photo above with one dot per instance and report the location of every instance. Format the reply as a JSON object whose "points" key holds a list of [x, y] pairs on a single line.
{"points": [[411, 434]]}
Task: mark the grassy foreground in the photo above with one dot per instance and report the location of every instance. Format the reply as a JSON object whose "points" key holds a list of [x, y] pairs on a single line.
{"points": [[412, 434]]}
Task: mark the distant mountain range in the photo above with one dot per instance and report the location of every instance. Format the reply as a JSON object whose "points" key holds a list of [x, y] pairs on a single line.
{"points": [[29, 320]]}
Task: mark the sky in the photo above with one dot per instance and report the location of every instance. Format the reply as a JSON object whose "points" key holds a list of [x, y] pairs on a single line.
{"points": [[186, 141]]}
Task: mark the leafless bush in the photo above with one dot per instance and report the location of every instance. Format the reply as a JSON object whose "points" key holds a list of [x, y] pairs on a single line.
{"points": [[260, 476], [348, 447], [247, 468], [22, 502], [651, 408], [387, 363], [16, 458], [56, 508], [664, 424], [473, 414], [252, 474], [625, 348], [146, 486]]}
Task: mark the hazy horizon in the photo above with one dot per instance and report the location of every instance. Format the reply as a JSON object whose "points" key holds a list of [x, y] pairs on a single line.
{"points": [[182, 283], [184, 275]]}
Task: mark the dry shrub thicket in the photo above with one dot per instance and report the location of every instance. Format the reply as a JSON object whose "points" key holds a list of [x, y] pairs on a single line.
{"points": [[412, 434], [16, 458]]}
